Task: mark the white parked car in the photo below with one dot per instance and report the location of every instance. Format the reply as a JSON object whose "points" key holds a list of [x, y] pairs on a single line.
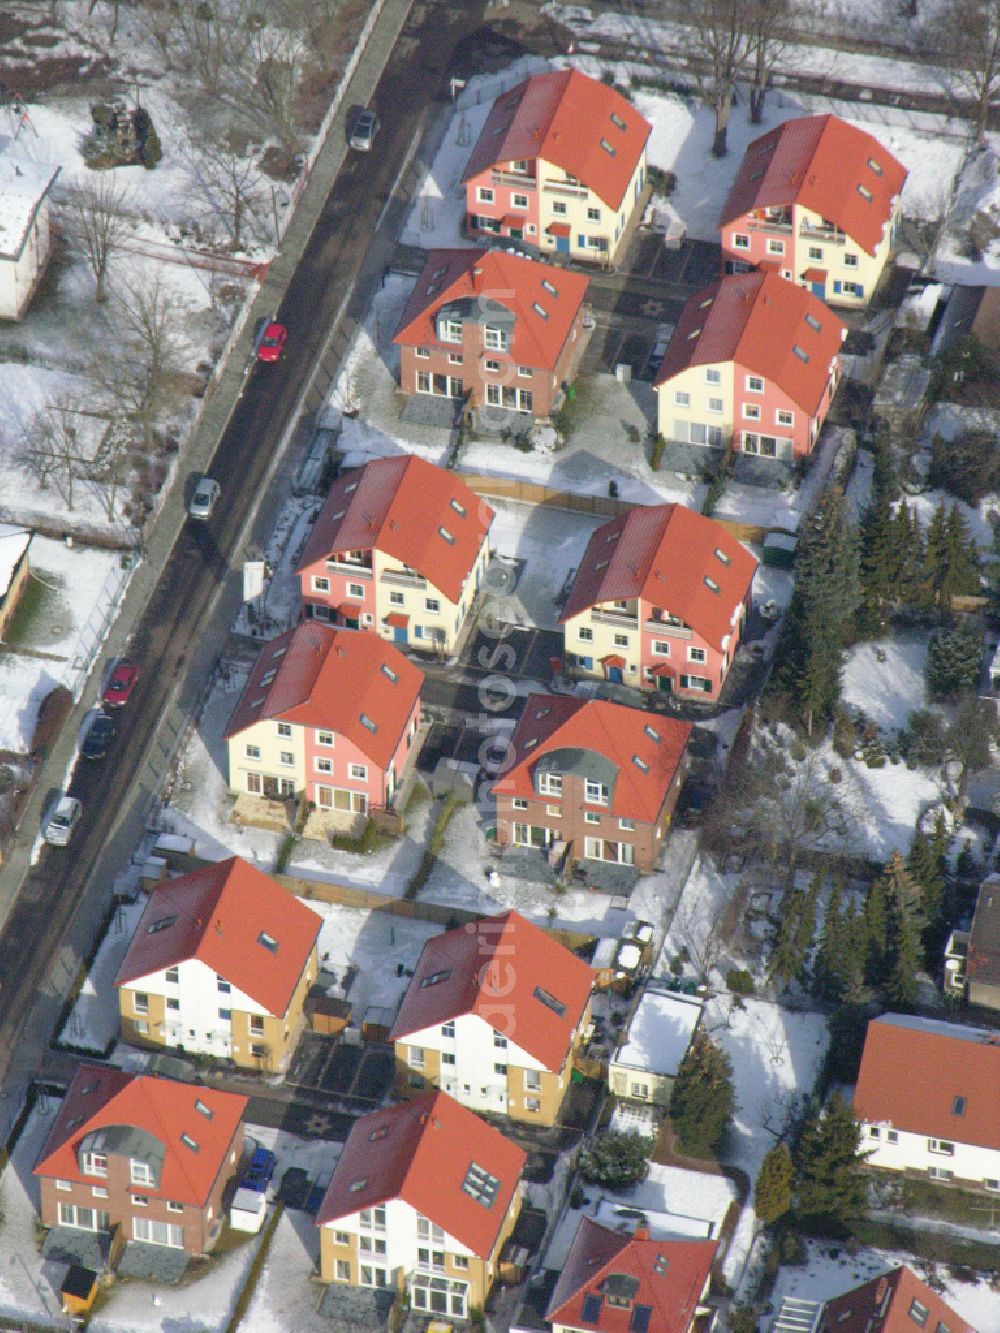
{"points": [[63, 819], [204, 498]]}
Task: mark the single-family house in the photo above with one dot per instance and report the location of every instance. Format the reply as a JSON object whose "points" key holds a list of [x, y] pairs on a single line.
{"points": [[926, 1100], [895, 1302], [15, 544], [399, 548], [972, 957], [146, 1154], [422, 1200], [220, 963], [500, 331], [559, 166], [818, 200], [25, 243], [752, 366], [625, 1282], [329, 715], [659, 602], [597, 778], [645, 1065], [494, 1015]]}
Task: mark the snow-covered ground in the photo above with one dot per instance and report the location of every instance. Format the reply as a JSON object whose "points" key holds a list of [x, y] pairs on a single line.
{"points": [[549, 544], [93, 1020], [887, 692], [281, 602], [364, 949], [285, 1298], [830, 1271], [75, 588], [776, 1056]]}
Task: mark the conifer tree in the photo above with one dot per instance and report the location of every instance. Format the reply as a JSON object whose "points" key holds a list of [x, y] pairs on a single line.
{"points": [[787, 957], [828, 965], [929, 875], [702, 1101], [805, 927], [772, 1195], [908, 551], [878, 552], [829, 1183], [876, 924], [824, 601], [905, 922]]}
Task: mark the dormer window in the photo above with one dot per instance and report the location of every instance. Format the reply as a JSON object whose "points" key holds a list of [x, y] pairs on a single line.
{"points": [[609, 148], [640, 764], [801, 353], [494, 339], [720, 554], [813, 323], [596, 793], [449, 537], [710, 583], [94, 1163], [368, 724], [161, 923], [617, 121], [652, 733], [459, 509], [267, 941], [693, 335], [449, 329], [875, 166], [550, 784], [865, 193], [190, 1142], [549, 287], [539, 310]]}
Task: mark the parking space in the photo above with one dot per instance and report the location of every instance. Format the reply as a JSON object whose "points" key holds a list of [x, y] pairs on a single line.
{"points": [[532, 649], [329, 1065], [693, 265]]}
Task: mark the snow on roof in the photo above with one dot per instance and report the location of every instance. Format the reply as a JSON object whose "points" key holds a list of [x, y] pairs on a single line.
{"points": [[13, 541], [660, 1032], [23, 186]]}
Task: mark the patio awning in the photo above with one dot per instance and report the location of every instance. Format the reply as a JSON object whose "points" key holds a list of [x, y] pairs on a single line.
{"points": [[558, 229], [613, 660], [512, 220], [396, 620], [815, 275], [349, 611]]}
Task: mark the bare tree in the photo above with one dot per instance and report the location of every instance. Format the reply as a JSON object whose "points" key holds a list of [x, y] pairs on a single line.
{"points": [[767, 20], [51, 449], [230, 187], [721, 38], [112, 463], [213, 36], [100, 219], [966, 35], [277, 59], [115, 6]]}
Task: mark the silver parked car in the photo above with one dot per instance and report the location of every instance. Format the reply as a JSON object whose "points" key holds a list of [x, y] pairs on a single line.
{"points": [[204, 498], [63, 819]]}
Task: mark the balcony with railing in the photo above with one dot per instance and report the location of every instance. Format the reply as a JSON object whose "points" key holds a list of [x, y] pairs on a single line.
{"points": [[771, 226], [616, 618], [348, 567], [831, 234], [566, 188], [669, 629], [402, 578], [514, 179]]}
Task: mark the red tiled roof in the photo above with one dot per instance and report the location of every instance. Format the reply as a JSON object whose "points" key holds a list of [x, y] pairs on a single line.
{"points": [[330, 678], [618, 733], [220, 912], [668, 1276], [100, 1097], [421, 1152], [466, 961], [398, 506], [491, 278], [864, 1309], [564, 117], [757, 320], [819, 162], [912, 1070], [663, 553]]}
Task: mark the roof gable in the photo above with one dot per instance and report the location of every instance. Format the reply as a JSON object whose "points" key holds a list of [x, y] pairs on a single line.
{"points": [[670, 556], [931, 1078], [424, 1152], [645, 751], [579, 124], [317, 676], [665, 1277], [545, 987], [544, 300], [883, 1306], [24, 184], [765, 325], [102, 1098], [399, 506], [222, 915], [826, 165]]}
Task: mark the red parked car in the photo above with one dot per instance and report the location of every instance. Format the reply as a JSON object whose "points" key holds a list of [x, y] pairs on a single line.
{"points": [[120, 686], [270, 341]]}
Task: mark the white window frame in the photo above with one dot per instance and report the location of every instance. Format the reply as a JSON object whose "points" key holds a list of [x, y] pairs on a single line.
{"points": [[713, 376], [775, 247], [358, 772], [782, 417], [320, 583], [741, 240], [751, 411], [716, 405], [755, 384], [484, 195], [681, 399]]}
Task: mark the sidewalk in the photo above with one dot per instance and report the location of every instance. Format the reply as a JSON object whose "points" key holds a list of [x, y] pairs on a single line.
{"points": [[190, 685]]}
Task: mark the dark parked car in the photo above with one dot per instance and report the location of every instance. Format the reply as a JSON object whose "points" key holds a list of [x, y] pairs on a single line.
{"points": [[98, 737]]}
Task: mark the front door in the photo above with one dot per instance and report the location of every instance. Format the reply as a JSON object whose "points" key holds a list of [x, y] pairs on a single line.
{"points": [[516, 233], [818, 289], [399, 634], [562, 245], [664, 683], [615, 675]]}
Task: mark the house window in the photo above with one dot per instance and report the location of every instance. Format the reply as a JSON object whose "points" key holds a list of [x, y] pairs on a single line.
{"points": [[713, 376], [532, 1080], [423, 353], [320, 584], [696, 683], [450, 330], [172, 976], [500, 1069], [593, 215], [775, 247], [343, 1271], [715, 405], [423, 382], [140, 1002], [354, 590], [992, 1184], [253, 751], [941, 1173], [589, 817], [550, 784], [784, 418], [173, 1207], [627, 825], [324, 738], [519, 803], [944, 1146], [519, 201], [85, 1219], [65, 1185], [284, 728], [621, 640], [585, 634], [173, 1004], [741, 241], [596, 793], [850, 261], [681, 399], [874, 1132], [448, 1057], [416, 1057], [525, 372], [484, 195], [222, 986], [454, 359], [696, 655], [323, 765], [256, 1025], [493, 367], [359, 772], [225, 1015], [815, 252], [448, 1029], [494, 339], [661, 648], [287, 758], [158, 1233], [432, 605], [558, 208], [140, 1200], [640, 1091], [892, 1136], [755, 383], [99, 1192], [751, 411]]}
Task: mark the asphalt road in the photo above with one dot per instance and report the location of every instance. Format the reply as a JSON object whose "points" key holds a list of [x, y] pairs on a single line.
{"points": [[176, 617]]}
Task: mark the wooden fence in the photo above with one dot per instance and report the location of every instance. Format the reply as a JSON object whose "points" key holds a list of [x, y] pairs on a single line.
{"points": [[597, 506]]}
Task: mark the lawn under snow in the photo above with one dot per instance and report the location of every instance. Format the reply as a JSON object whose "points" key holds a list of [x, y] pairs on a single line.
{"points": [[887, 692], [548, 545], [93, 1020]]}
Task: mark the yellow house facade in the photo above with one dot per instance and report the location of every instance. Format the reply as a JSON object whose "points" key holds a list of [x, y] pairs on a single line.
{"points": [[696, 406], [596, 231], [433, 620]]}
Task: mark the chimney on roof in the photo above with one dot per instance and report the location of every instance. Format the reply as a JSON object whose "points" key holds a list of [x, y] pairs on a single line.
{"points": [[218, 928], [642, 1231], [436, 1123]]}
